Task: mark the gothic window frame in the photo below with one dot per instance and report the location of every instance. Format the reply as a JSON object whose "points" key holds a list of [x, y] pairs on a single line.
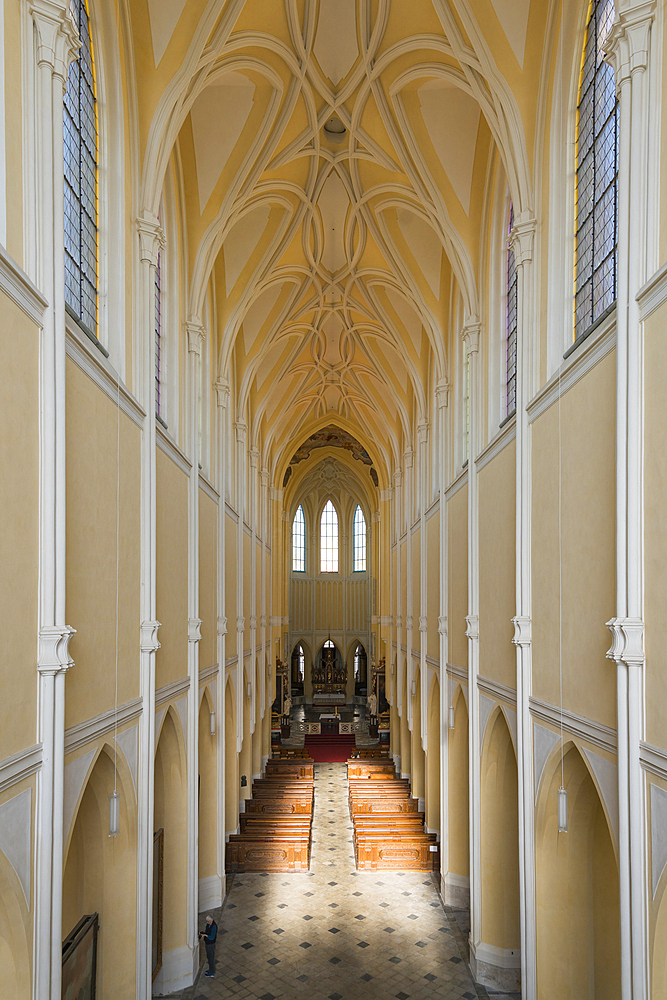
{"points": [[302, 547], [333, 563], [159, 343], [81, 182], [511, 321], [596, 178], [359, 541]]}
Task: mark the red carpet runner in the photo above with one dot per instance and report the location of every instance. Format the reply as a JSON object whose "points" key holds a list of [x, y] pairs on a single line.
{"points": [[329, 749]]}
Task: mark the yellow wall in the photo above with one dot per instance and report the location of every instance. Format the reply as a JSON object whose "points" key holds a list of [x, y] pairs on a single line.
{"points": [[497, 561], [172, 571], [208, 540], [19, 526], [588, 540], [457, 522], [92, 470]]}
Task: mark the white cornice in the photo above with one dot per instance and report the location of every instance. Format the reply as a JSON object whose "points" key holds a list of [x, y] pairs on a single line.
{"points": [[173, 690], [171, 449], [92, 362], [87, 732], [230, 510], [461, 480], [653, 294], [230, 662], [580, 363], [458, 672], [208, 489], [16, 284], [208, 674], [653, 759], [500, 441], [501, 692], [577, 725], [433, 509], [20, 766]]}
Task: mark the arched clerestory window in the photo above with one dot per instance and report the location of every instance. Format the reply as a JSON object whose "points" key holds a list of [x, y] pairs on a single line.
{"points": [[80, 182], [359, 541], [299, 541], [511, 325], [596, 175], [329, 539]]}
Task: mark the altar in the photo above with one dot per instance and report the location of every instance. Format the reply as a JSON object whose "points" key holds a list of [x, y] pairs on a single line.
{"points": [[329, 675], [324, 698]]}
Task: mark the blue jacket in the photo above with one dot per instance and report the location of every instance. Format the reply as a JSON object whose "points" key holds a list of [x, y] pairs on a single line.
{"points": [[211, 932]]}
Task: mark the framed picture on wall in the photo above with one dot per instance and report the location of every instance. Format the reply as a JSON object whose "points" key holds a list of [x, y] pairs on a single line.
{"points": [[79, 971], [158, 879]]}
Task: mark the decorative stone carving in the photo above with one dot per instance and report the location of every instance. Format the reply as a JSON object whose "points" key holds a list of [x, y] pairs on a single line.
{"points": [[149, 641], [194, 629], [53, 649], [523, 631], [627, 644]]}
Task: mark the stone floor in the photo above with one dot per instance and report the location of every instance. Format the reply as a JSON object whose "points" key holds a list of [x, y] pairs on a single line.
{"points": [[334, 933]]}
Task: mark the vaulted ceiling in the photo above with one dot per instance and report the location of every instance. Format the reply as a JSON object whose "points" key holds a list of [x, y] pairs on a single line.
{"points": [[333, 156]]}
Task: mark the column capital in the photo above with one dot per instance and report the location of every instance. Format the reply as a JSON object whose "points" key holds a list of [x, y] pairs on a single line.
{"points": [[626, 47], [222, 392], [408, 622], [276, 494], [262, 621], [422, 431], [222, 625], [470, 336], [522, 238], [398, 476], [58, 41], [408, 455], [264, 474], [627, 644], [148, 637], [399, 621], [423, 623], [241, 429], [472, 626], [196, 335], [254, 458], [442, 624], [151, 237], [523, 630], [386, 494], [240, 624], [194, 629], [375, 516], [442, 393], [53, 649]]}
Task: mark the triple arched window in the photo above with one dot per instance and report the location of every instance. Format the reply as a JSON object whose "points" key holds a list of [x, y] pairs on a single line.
{"points": [[596, 175], [80, 188], [329, 540]]}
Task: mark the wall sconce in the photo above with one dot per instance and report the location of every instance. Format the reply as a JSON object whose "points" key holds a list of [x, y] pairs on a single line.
{"points": [[212, 723], [391, 669], [270, 670], [244, 781], [451, 717], [562, 810], [114, 814], [248, 689], [414, 688]]}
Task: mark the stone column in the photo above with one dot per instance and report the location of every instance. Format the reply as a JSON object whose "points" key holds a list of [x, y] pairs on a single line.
{"points": [[442, 398]]}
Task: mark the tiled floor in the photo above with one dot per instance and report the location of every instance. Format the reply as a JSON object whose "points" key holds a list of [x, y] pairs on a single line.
{"points": [[334, 933]]}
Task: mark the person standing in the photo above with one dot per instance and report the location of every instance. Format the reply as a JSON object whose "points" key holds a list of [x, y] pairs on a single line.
{"points": [[210, 936]]}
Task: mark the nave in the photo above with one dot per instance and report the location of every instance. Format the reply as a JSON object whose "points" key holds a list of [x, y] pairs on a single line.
{"points": [[335, 933]]}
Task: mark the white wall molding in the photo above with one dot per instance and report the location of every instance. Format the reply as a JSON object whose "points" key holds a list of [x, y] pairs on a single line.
{"points": [[15, 841], [92, 362], [497, 444], [497, 690], [170, 448], [20, 766], [433, 509], [579, 364], [658, 834], [208, 489], [455, 486], [458, 673], [172, 691], [91, 730], [17, 286], [653, 759], [576, 725], [653, 294], [230, 510], [208, 673]]}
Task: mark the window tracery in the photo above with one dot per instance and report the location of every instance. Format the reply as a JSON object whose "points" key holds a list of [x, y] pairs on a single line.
{"points": [[596, 194], [359, 541], [299, 541], [511, 321], [80, 179], [329, 539]]}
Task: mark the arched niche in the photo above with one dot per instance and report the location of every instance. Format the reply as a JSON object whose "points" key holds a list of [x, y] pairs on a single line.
{"points": [[433, 758], [577, 888], [100, 873], [459, 848], [231, 761], [15, 950], [499, 838], [208, 789], [170, 815]]}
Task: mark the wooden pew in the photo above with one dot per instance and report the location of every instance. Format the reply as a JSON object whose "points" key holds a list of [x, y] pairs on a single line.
{"points": [[403, 852], [266, 853], [275, 824], [278, 806], [363, 805], [289, 769], [370, 768]]}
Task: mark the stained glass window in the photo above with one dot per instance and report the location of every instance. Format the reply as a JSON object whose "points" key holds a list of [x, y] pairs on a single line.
{"points": [[302, 663], [597, 175], [329, 539], [359, 540], [357, 663], [510, 361], [158, 337], [80, 162], [299, 541]]}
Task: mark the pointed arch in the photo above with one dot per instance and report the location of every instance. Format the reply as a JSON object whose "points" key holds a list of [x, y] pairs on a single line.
{"points": [[329, 538]]}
